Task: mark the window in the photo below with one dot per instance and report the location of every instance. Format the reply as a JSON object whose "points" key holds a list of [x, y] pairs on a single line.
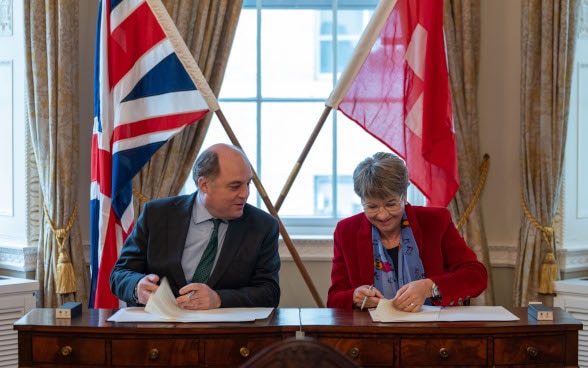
{"points": [[575, 209], [279, 75], [12, 125]]}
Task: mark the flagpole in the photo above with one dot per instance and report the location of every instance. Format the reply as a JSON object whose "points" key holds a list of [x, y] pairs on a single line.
{"points": [[274, 212]]}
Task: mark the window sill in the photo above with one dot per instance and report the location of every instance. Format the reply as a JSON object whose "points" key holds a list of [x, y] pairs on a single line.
{"points": [[572, 259], [18, 258], [308, 249], [501, 255]]}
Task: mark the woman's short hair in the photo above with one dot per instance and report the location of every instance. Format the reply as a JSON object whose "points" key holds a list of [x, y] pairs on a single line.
{"points": [[381, 176]]}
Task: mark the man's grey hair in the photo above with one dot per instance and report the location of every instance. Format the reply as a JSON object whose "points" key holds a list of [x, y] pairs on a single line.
{"points": [[207, 164]]}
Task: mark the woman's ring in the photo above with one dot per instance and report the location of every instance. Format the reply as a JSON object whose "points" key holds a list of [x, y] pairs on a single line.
{"points": [[412, 305]]}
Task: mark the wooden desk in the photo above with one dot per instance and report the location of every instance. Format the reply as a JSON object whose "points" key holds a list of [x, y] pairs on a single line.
{"points": [[90, 341]]}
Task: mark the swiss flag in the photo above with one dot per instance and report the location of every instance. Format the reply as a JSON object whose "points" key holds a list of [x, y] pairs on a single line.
{"points": [[397, 89]]}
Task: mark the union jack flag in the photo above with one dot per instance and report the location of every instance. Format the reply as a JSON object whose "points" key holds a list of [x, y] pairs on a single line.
{"points": [[147, 88]]}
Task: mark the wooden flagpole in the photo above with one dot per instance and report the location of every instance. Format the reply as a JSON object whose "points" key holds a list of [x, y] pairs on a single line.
{"points": [[274, 212]]}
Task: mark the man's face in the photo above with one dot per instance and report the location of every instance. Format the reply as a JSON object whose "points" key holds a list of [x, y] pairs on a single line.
{"points": [[225, 196]]}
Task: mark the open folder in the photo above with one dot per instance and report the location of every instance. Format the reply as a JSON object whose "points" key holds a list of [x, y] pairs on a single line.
{"points": [[386, 312], [162, 306]]}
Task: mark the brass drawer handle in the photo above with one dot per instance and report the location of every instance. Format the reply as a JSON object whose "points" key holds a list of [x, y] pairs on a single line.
{"points": [[153, 354], [244, 352], [532, 351], [66, 350], [354, 352], [444, 353]]}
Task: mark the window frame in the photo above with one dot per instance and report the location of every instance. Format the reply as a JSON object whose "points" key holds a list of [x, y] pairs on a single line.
{"points": [[13, 220], [573, 211], [312, 226]]}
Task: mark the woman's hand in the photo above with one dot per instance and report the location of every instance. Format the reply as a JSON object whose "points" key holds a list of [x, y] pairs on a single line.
{"points": [[372, 294], [411, 296]]}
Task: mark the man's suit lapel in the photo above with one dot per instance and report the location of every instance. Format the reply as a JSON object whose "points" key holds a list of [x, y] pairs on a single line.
{"points": [[178, 223]]}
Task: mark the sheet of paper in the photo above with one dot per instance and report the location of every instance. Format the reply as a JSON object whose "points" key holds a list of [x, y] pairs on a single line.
{"points": [[162, 307], [138, 314], [476, 313], [162, 302], [386, 312]]}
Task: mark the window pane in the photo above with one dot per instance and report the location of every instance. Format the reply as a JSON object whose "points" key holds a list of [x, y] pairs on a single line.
{"points": [[6, 146], [355, 144], [241, 119], [289, 60], [13, 188], [286, 129], [240, 76]]}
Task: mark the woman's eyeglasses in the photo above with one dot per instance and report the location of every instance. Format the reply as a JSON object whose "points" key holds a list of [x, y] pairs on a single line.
{"points": [[392, 207]]}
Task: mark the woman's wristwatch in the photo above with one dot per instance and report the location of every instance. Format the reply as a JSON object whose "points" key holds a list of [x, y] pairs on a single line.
{"points": [[435, 294]]}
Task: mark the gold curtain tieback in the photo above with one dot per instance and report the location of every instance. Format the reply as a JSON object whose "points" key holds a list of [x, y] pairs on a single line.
{"points": [[549, 271], [65, 278]]}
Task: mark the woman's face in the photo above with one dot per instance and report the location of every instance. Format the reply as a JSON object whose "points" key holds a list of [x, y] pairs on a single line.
{"points": [[384, 214]]}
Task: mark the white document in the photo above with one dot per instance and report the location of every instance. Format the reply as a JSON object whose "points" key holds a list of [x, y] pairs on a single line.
{"points": [[386, 312], [162, 307]]}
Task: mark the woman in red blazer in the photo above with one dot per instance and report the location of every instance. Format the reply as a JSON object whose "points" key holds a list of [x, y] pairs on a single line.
{"points": [[393, 250]]}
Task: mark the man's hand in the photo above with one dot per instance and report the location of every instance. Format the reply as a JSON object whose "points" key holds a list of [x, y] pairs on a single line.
{"points": [[198, 297], [146, 286]]}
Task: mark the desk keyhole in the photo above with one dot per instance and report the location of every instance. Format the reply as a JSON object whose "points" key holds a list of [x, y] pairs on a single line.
{"points": [[354, 352], [444, 353], [244, 352], [66, 350], [153, 354]]}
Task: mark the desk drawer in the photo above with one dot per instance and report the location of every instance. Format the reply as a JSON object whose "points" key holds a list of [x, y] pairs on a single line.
{"points": [[68, 350], [235, 351], [443, 351], [530, 350], [373, 352], [155, 352]]}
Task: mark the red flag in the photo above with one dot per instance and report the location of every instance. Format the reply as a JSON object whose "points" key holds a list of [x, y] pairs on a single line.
{"points": [[147, 88], [396, 87]]}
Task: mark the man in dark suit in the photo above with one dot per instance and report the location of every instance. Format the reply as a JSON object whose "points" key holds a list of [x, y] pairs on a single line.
{"points": [[172, 234]]}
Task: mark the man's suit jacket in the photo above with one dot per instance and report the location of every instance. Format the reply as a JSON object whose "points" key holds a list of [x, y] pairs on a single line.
{"points": [[446, 257], [245, 275]]}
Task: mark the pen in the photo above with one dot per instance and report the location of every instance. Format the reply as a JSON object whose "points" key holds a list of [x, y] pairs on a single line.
{"points": [[366, 298]]}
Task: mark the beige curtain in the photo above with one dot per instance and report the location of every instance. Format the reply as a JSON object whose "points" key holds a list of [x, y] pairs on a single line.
{"points": [[548, 34], [208, 28], [51, 36], [462, 33]]}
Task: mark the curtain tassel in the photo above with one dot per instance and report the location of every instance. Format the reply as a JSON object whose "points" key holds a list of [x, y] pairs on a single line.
{"points": [[549, 270], [549, 274], [65, 278]]}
